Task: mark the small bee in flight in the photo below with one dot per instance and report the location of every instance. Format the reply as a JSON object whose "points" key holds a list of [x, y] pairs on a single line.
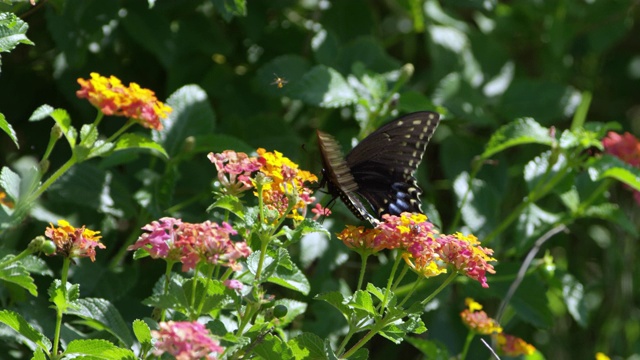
{"points": [[279, 81]]}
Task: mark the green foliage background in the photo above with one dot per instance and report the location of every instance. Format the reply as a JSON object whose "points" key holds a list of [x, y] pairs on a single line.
{"points": [[482, 64]]}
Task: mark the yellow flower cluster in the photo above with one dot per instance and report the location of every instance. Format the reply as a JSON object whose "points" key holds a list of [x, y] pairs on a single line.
{"points": [[113, 98]]}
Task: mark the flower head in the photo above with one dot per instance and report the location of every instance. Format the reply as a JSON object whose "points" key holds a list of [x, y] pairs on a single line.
{"points": [[71, 242], [478, 321], [233, 284], [234, 170], [287, 184], [185, 341], [465, 254], [360, 239], [190, 243], [510, 345], [602, 356], [320, 211], [113, 98]]}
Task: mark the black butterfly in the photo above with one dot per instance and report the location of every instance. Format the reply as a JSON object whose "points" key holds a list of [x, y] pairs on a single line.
{"points": [[380, 168]]}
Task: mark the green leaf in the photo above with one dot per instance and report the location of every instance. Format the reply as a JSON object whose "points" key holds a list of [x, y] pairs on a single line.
{"points": [[324, 87], [539, 171], [12, 32], [19, 324], [230, 203], [431, 349], [337, 300], [307, 226], [192, 115], [518, 132], [10, 182], [230, 8], [362, 300], [307, 346], [106, 315], [63, 300], [480, 209], [97, 349], [8, 129], [16, 273], [287, 274], [608, 166], [573, 292], [62, 119], [273, 348], [142, 332], [137, 141], [41, 113]]}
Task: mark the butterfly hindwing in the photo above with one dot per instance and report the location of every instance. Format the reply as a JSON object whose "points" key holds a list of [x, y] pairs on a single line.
{"points": [[380, 168]]}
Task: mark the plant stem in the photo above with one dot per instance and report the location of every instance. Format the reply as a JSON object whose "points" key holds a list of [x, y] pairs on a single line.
{"points": [[440, 288], [363, 267], [467, 343]]}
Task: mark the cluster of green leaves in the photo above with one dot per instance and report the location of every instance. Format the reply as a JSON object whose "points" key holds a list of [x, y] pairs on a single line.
{"points": [[506, 77]]}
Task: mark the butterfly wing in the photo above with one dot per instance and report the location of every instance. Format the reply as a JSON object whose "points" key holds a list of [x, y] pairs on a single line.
{"points": [[383, 164], [337, 176]]}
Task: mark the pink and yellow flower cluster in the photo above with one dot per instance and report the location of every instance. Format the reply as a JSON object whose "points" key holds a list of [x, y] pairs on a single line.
{"points": [[185, 340], [74, 242], [113, 98], [427, 252], [235, 170], [480, 323], [190, 243]]}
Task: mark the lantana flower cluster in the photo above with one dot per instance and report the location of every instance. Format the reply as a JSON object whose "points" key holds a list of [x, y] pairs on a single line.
{"points": [[113, 98], [626, 147], [235, 170], [283, 180], [480, 323], [189, 243], [425, 251], [185, 340], [288, 182], [74, 242]]}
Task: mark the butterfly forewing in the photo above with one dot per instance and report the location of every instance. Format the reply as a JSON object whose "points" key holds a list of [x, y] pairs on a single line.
{"points": [[381, 167]]}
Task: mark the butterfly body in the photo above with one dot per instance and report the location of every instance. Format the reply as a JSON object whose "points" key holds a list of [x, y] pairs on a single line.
{"points": [[379, 170]]}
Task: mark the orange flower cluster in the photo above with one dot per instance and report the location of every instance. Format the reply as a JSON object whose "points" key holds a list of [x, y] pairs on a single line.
{"points": [[113, 98], [425, 251], [287, 181], [480, 323], [71, 242]]}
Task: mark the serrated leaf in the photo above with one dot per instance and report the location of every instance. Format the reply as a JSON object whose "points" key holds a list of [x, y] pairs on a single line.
{"points": [[41, 113], [273, 348], [62, 119], [16, 273], [362, 300], [142, 332], [280, 270], [8, 129], [20, 325], [518, 132], [97, 349], [137, 141], [539, 170], [63, 300], [324, 87], [105, 314], [608, 166], [13, 31], [307, 346]]}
